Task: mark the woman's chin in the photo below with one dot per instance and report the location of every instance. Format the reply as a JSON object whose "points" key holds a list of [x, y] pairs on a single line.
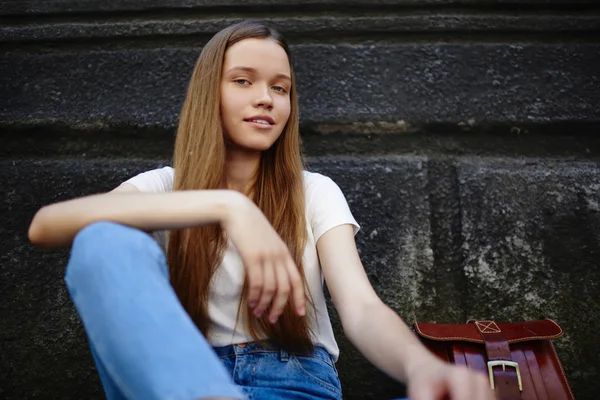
{"points": [[251, 147]]}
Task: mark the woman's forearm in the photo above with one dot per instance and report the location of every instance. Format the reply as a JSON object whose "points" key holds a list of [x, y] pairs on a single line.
{"points": [[386, 341], [57, 224]]}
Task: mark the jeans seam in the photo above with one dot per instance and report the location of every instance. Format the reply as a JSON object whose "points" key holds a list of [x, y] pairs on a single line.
{"points": [[251, 352], [233, 371], [317, 380], [326, 358]]}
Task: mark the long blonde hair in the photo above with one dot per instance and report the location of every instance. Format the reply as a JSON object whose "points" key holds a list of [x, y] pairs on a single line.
{"points": [[199, 162]]}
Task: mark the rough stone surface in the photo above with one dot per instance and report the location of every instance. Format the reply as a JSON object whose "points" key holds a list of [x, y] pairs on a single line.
{"points": [[531, 244], [297, 24], [401, 83], [61, 6]]}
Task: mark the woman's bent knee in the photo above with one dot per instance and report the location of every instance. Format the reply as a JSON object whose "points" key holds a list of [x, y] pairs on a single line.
{"points": [[108, 233], [100, 246]]}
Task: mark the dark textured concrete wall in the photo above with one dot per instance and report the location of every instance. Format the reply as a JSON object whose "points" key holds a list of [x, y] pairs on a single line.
{"points": [[463, 132]]}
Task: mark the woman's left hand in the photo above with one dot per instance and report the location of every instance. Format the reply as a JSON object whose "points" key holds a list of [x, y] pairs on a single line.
{"points": [[436, 380]]}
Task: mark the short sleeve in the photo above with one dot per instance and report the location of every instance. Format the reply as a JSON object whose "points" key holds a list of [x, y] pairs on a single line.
{"points": [[327, 207], [156, 180]]}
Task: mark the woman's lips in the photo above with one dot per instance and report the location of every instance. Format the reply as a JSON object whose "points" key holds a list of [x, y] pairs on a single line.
{"points": [[259, 125]]}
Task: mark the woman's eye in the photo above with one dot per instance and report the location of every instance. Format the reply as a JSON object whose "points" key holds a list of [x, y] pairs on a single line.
{"points": [[279, 89], [242, 81]]}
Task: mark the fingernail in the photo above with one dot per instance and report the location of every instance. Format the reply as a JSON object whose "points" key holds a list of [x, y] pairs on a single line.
{"points": [[272, 319], [258, 312], [301, 311], [252, 304]]}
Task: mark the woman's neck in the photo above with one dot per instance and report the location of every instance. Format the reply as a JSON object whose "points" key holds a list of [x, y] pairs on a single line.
{"points": [[240, 169]]}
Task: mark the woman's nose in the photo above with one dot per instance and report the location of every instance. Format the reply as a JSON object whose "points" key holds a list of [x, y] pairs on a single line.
{"points": [[263, 97]]}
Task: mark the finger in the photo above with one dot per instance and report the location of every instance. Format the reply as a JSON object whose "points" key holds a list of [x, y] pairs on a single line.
{"points": [[255, 282], [268, 288], [297, 287], [282, 293], [460, 385], [482, 387], [423, 392], [427, 390]]}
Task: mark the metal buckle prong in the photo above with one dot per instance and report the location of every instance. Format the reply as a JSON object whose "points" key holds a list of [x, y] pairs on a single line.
{"points": [[504, 364]]}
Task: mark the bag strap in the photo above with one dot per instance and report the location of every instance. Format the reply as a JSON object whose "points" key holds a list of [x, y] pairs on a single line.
{"points": [[504, 373]]}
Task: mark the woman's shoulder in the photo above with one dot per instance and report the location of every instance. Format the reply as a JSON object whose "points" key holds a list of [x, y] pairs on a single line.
{"points": [[313, 179], [318, 182], [326, 204], [155, 180]]}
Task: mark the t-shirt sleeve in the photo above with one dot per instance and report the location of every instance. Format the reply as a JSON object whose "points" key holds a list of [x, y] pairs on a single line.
{"points": [[156, 180], [327, 207]]}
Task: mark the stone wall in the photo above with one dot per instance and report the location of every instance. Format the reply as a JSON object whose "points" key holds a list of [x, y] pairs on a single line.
{"points": [[464, 134]]}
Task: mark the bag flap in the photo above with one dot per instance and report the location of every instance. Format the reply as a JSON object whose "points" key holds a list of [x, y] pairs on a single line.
{"points": [[514, 332]]}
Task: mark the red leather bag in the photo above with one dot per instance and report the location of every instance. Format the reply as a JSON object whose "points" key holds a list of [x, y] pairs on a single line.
{"points": [[518, 357]]}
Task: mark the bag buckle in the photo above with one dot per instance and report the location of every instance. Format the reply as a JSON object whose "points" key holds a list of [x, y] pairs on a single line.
{"points": [[504, 364]]}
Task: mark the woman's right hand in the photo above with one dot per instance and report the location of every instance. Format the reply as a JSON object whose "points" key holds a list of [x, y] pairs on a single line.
{"points": [[272, 273]]}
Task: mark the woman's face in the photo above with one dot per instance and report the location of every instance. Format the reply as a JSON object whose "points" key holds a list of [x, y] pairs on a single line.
{"points": [[255, 99]]}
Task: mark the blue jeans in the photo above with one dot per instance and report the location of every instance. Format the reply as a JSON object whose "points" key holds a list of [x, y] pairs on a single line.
{"points": [[276, 374], [145, 345]]}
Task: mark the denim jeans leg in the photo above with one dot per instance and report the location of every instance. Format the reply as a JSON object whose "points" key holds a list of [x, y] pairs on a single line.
{"points": [[110, 388], [145, 343]]}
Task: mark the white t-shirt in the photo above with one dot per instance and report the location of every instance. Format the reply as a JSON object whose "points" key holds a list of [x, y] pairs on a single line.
{"points": [[326, 208]]}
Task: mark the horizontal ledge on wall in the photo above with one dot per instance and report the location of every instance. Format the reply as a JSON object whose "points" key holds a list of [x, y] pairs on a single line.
{"points": [[89, 129], [41, 7], [196, 42], [304, 27], [575, 141]]}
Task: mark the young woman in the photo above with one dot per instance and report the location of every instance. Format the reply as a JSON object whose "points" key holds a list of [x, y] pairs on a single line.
{"points": [[251, 238]]}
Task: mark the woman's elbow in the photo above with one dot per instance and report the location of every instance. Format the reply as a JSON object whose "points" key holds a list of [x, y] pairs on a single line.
{"points": [[35, 230], [353, 318], [38, 232]]}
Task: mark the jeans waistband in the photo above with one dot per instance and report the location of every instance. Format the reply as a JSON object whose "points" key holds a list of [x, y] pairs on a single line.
{"points": [[255, 348]]}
